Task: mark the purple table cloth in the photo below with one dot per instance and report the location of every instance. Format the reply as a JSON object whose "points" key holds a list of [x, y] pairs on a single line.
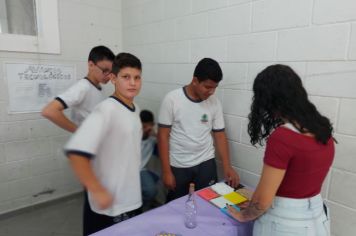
{"points": [[170, 218]]}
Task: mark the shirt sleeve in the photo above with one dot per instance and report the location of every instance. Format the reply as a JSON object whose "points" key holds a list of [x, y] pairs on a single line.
{"points": [[87, 139], [218, 118], [74, 95], [277, 153], [165, 117]]}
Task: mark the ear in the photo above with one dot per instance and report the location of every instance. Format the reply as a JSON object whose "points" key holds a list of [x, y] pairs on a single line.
{"points": [[112, 78], [195, 81]]}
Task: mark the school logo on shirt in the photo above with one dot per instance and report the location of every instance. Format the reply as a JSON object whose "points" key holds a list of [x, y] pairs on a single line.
{"points": [[204, 118]]}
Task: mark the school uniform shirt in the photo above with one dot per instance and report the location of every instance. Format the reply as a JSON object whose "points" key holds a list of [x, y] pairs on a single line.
{"points": [[305, 160], [191, 123], [82, 97], [147, 148], [111, 138]]}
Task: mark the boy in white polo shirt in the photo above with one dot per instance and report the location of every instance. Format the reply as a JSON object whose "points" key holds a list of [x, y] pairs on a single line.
{"points": [[85, 94], [105, 151], [189, 119]]}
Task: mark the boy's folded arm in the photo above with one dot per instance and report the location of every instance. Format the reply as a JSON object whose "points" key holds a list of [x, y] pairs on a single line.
{"points": [[54, 112]]}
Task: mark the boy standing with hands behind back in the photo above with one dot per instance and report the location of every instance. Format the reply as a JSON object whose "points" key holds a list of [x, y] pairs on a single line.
{"points": [[105, 151]]}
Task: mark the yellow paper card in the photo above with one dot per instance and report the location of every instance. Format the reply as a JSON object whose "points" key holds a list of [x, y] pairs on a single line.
{"points": [[220, 202], [235, 198]]}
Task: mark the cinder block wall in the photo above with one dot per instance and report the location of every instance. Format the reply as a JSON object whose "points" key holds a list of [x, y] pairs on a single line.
{"points": [[31, 157], [316, 37]]}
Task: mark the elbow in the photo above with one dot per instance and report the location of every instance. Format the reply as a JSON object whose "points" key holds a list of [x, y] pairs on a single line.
{"points": [[45, 113], [264, 203]]}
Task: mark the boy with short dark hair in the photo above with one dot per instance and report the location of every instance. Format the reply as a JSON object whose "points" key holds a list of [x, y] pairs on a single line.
{"points": [[190, 120], [85, 94], [105, 151]]}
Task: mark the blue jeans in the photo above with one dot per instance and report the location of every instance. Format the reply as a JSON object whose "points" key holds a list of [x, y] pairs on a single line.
{"points": [[294, 217], [148, 185]]}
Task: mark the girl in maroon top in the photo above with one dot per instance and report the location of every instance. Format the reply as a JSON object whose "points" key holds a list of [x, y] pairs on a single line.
{"points": [[299, 153]]}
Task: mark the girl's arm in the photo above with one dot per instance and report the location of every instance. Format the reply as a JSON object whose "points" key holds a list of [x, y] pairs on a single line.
{"points": [[270, 181]]}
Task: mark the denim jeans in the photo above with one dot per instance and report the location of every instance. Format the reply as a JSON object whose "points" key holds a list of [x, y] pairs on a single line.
{"points": [[148, 185], [294, 217]]}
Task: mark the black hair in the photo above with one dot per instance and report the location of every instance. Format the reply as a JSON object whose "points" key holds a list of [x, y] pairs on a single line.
{"points": [[279, 94], [208, 69], [123, 60], [100, 53], [146, 116]]}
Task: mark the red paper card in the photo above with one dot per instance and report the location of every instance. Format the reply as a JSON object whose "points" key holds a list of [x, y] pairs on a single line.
{"points": [[208, 194]]}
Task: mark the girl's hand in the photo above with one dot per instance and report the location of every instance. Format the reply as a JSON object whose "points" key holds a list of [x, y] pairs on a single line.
{"points": [[234, 213]]}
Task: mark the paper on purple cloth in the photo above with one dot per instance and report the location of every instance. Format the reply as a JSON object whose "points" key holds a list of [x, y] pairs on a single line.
{"points": [[170, 218], [220, 202]]}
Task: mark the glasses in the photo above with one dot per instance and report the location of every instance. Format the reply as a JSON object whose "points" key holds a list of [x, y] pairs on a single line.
{"points": [[105, 71]]}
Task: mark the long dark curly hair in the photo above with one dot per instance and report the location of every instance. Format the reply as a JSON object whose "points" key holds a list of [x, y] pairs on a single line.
{"points": [[280, 97]]}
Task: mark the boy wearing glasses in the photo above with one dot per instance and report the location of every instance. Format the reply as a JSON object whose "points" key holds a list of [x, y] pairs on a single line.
{"points": [[105, 151], [84, 95]]}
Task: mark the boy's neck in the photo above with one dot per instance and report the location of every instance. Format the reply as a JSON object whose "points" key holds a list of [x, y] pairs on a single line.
{"points": [[93, 80], [190, 92], [128, 102]]}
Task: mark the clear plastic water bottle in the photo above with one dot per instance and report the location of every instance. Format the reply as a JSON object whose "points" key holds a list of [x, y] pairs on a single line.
{"points": [[191, 209]]}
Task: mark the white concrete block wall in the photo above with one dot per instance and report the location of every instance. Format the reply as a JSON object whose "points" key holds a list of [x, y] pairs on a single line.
{"points": [[294, 14], [329, 11], [347, 117], [313, 43], [352, 47], [189, 27], [235, 75], [31, 157], [239, 14], [316, 37], [252, 47], [214, 46]]}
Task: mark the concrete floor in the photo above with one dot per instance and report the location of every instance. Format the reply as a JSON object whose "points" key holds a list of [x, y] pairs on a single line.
{"points": [[62, 218]]}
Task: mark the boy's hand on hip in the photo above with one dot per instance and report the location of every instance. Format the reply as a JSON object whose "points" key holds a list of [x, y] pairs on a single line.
{"points": [[102, 198], [169, 180]]}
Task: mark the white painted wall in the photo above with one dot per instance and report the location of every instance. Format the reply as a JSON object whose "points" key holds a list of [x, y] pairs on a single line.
{"points": [[316, 37], [31, 157]]}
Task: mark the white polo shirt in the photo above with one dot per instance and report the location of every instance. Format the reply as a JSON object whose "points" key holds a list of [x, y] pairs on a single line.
{"points": [[191, 123], [82, 97], [111, 138], [147, 148]]}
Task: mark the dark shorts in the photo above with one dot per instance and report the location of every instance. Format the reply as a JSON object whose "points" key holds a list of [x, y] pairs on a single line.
{"points": [[94, 222], [202, 175]]}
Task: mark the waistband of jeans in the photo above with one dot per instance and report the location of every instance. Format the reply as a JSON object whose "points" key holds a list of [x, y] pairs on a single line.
{"points": [[298, 202]]}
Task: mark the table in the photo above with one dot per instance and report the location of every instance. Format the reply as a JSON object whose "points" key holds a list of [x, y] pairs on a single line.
{"points": [[170, 218]]}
